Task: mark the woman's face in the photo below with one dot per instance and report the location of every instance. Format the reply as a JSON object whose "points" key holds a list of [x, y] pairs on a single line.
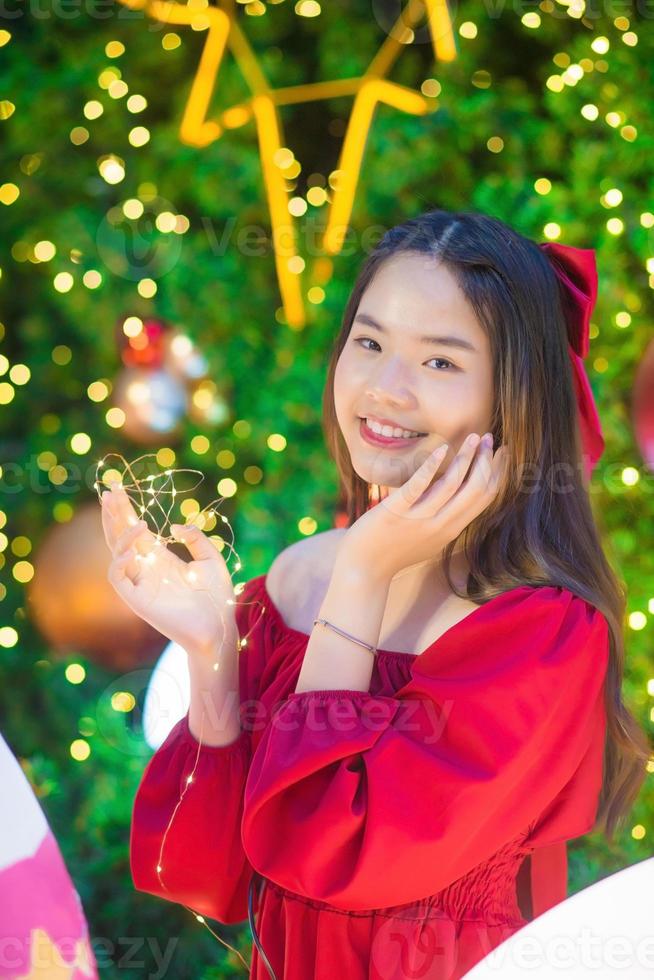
{"points": [[435, 387]]}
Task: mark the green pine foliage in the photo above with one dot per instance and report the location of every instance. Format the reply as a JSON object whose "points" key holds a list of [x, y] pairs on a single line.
{"points": [[228, 301]]}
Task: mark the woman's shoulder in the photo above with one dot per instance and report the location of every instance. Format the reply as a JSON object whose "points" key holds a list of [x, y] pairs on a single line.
{"points": [[554, 607], [300, 570]]}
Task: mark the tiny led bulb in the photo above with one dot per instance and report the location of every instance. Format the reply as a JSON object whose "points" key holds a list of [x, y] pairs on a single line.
{"points": [[159, 868]]}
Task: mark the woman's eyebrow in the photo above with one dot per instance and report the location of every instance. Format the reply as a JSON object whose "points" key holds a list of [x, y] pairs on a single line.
{"points": [[446, 341]]}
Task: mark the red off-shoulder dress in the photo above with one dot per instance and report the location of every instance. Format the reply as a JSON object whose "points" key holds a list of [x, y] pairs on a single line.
{"points": [[401, 832]]}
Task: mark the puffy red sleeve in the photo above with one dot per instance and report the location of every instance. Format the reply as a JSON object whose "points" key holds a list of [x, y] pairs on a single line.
{"points": [[191, 831], [369, 801]]}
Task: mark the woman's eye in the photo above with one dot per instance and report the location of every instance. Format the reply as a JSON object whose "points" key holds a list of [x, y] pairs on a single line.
{"points": [[442, 360]]}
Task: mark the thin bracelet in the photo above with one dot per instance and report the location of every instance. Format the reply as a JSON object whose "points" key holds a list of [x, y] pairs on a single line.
{"points": [[325, 622]]}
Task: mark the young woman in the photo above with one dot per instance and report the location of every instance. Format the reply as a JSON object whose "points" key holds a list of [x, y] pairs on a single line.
{"points": [[424, 705]]}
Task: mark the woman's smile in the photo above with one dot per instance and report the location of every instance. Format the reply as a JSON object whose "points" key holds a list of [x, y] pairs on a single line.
{"points": [[386, 442]]}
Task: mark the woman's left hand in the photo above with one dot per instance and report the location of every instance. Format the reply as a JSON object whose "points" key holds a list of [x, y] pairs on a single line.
{"points": [[416, 521]]}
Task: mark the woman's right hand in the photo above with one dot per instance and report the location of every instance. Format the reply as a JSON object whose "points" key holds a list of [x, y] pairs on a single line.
{"points": [[186, 601]]}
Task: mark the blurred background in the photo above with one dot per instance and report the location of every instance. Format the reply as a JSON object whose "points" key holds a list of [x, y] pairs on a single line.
{"points": [[187, 192]]}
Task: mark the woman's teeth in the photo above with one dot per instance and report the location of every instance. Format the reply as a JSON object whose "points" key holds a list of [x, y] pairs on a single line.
{"points": [[392, 432]]}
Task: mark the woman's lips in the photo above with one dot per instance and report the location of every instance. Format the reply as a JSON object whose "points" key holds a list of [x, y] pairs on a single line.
{"points": [[375, 439]]}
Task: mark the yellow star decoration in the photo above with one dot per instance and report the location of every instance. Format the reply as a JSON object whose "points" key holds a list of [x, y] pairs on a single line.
{"points": [[47, 963], [223, 32]]}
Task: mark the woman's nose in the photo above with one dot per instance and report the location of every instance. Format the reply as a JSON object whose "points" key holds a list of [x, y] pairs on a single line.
{"points": [[393, 393], [392, 378]]}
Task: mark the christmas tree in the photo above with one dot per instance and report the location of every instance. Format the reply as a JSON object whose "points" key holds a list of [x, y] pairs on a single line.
{"points": [[128, 218]]}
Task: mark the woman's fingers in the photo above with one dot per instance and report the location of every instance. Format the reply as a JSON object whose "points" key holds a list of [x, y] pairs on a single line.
{"points": [[122, 505], [119, 578], [117, 514], [478, 492], [486, 474], [108, 522], [421, 481], [460, 465], [416, 485], [128, 538], [499, 464], [118, 517], [127, 545], [195, 540]]}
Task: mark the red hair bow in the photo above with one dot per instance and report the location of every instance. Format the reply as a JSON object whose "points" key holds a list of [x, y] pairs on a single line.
{"points": [[577, 271]]}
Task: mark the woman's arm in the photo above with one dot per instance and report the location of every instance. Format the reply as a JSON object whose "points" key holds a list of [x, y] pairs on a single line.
{"points": [[215, 694], [185, 842], [355, 602]]}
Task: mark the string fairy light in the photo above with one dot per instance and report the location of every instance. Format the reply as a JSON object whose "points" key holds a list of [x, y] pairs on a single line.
{"points": [[147, 500]]}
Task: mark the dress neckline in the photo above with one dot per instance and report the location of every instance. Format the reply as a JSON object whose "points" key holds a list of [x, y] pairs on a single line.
{"points": [[394, 653]]}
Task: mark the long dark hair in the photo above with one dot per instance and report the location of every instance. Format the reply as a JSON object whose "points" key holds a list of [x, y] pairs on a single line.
{"points": [[522, 538]]}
